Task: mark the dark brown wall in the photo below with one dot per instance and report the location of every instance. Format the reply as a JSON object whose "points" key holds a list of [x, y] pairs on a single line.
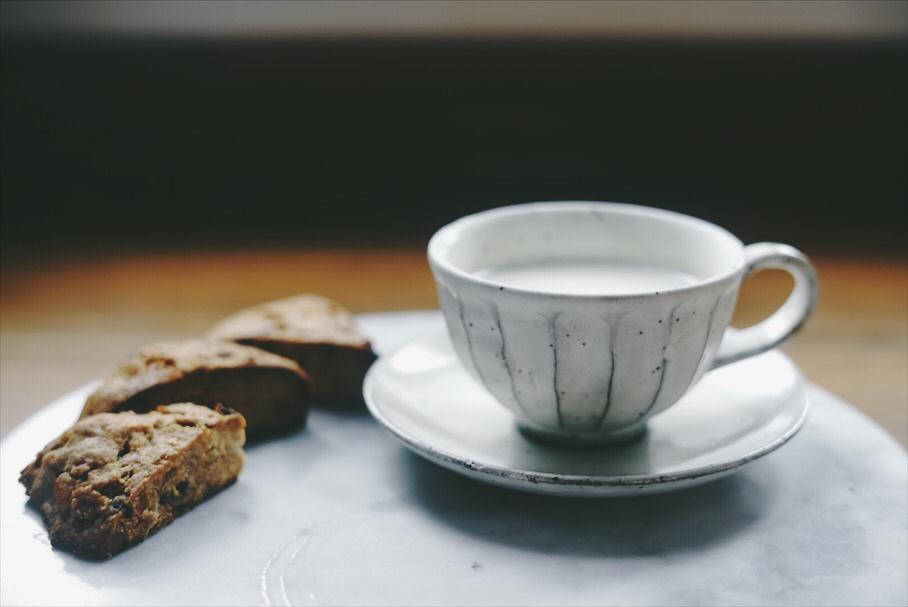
{"points": [[304, 141]]}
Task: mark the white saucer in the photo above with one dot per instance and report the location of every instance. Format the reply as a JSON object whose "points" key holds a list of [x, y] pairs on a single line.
{"points": [[735, 415]]}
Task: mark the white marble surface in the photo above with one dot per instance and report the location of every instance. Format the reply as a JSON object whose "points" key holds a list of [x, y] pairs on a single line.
{"points": [[343, 514]]}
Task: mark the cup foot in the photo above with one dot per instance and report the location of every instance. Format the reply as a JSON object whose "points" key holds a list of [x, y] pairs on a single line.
{"points": [[617, 436]]}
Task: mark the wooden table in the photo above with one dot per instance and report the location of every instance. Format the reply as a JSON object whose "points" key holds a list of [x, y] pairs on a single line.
{"points": [[68, 318]]}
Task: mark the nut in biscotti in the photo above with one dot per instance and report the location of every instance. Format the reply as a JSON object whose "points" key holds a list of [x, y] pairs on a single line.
{"points": [[270, 391], [316, 332], [112, 479]]}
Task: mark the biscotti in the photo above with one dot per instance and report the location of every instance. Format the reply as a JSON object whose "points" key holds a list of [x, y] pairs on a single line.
{"points": [[112, 479], [316, 332], [271, 392]]}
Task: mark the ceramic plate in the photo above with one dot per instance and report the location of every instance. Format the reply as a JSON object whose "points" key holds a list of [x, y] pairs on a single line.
{"points": [[342, 514], [735, 415]]}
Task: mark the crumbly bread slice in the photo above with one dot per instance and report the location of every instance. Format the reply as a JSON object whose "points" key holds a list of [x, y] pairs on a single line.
{"points": [[318, 333], [270, 391], [112, 479]]}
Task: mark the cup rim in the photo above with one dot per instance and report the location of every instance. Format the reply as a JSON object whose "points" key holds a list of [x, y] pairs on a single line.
{"points": [[437, 260]]}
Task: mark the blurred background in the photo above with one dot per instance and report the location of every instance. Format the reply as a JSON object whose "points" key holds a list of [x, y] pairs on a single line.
{"points": [[165, 163]]}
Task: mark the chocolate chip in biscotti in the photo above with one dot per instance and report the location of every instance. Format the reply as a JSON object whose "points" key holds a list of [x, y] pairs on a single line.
{"points": [[270, 391], [316, 332], [113, 479]]}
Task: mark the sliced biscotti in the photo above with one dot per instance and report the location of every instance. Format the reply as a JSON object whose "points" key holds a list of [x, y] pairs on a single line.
{"points": [[316, 332], [112, 479], [270, 391]]}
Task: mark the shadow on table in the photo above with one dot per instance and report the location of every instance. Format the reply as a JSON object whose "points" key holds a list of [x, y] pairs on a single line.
{"points": [[642, 526]]}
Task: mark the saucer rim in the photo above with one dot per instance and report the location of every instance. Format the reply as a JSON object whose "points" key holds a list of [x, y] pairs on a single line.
{"points": [[549, 478]]}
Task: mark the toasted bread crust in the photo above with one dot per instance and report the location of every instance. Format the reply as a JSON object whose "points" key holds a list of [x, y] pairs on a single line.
{"points": [[316, 332], [270, 391], [112, 479]]}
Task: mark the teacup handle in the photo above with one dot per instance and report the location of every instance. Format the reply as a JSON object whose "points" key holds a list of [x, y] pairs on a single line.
{"points": [[785, 321]]}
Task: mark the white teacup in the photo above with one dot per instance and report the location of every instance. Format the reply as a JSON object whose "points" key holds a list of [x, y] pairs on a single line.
{"points": [[584, 319]]}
